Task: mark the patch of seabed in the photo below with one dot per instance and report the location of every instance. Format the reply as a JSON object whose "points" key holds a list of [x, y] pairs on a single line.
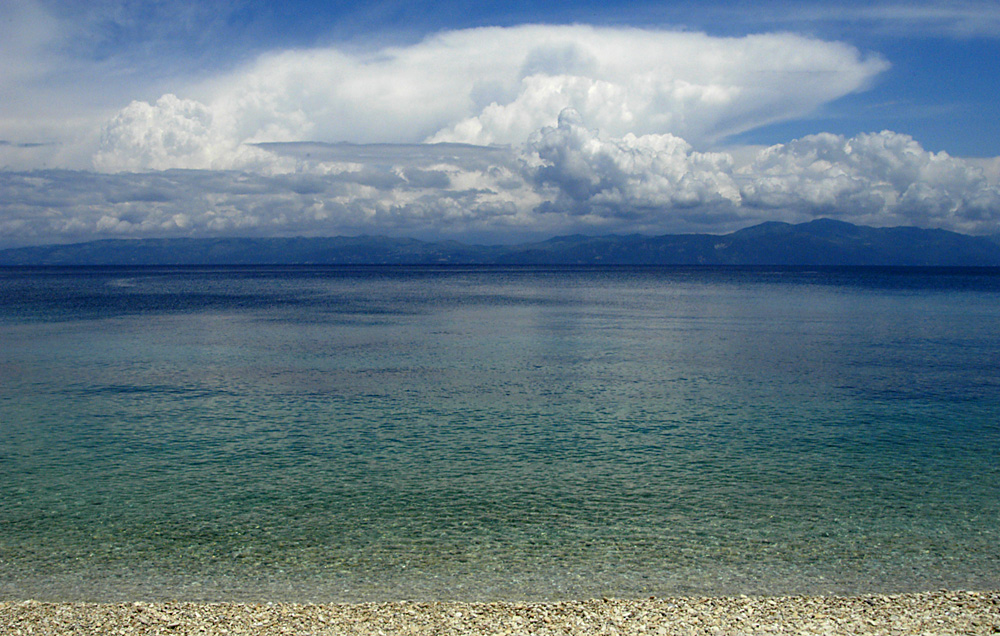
{"points": [[428, 575]]}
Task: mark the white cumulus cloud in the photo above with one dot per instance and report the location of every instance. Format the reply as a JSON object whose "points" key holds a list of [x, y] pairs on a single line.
{"points": [[175, 133], [881, 178], [648, 176]]}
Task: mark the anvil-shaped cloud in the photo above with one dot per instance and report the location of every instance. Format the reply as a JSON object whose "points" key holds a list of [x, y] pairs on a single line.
{"points": [[490, 86]]}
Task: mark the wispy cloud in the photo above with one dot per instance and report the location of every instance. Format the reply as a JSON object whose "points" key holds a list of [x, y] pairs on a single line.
{"points": [[26, 144], [937, 19]]}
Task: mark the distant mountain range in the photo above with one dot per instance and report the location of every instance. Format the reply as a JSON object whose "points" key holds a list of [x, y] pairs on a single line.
{"points": [[820, 242]]}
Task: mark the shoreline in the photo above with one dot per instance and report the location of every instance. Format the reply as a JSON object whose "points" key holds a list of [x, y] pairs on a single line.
{"points": [[940, 612]]}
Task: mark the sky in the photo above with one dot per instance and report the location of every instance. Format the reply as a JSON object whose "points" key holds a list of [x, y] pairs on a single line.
{"points": [[493, 122]]}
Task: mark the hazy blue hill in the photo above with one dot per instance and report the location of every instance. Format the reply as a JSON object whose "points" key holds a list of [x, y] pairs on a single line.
{"points": [[375, 250], [829, 242], [820, 242]]}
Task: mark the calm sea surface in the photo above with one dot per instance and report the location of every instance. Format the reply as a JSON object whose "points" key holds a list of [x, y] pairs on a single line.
{"points": [[318, 434]]}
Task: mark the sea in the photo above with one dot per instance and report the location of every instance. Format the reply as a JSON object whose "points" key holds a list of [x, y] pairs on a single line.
{"points": [[319, 434]]}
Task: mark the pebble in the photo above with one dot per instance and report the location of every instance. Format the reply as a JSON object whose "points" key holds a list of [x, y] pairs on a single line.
{"points": [[941, 612]]}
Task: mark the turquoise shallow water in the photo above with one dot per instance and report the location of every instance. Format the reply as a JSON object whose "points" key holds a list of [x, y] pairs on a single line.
{"points": [[383, 433]]}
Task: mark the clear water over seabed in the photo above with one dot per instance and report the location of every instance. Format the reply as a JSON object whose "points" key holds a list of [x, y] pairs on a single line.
{"points": [[421, 433]]}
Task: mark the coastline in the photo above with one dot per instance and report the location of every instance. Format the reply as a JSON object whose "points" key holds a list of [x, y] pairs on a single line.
{"points": [[940, 612]]}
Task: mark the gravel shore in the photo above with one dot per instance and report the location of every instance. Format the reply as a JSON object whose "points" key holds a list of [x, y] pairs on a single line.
{"points": [[923, 613]]}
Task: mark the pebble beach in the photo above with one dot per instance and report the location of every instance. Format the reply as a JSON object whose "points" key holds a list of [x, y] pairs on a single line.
{"points": [[943, 612]]}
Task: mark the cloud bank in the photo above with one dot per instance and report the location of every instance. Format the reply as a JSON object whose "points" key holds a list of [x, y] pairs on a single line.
{"points": [[565, 178]]}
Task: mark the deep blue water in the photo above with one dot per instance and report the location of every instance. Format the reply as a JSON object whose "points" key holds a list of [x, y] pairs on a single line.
{"points": [[375, 433]]}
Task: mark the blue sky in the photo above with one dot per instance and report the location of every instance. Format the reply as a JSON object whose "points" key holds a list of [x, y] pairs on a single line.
{"points": [[493, 121]]}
